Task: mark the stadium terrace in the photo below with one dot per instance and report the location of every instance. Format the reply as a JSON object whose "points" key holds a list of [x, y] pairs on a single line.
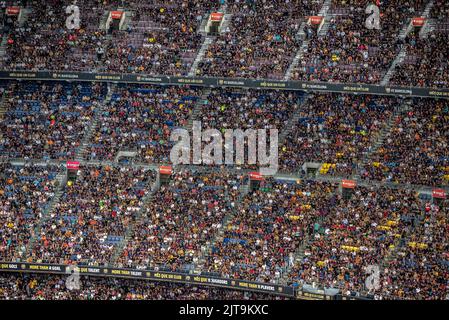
{"points": [[96, 98]]}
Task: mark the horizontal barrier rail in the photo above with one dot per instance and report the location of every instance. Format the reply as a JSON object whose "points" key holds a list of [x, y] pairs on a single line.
{"points": [[350, 88], [184, 278], [152, 275]]}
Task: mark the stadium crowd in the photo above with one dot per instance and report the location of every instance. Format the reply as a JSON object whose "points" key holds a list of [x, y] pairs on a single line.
{"points": [[25, 193], [140, 119], [350, 52], [420, 269], [44, 42], [360, 230], [92, 216], [179, 220], [242, 109], [335, 129], [302, 232], [425, 64], [262, 237], [47, 120], [299, 232], [260, 41], [415, 150], [162, 38]]}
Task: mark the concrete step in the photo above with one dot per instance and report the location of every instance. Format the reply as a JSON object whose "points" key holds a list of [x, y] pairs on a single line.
{"points": [[202, 28], [46, 213], [429, 25], [199, 57], [103, 20], [324, 28], [140, 216], [219, 235], [298, 57], [305, 44], [90, 130], [24, 14], [325, 8], [293, 119], [397, 61], [128, 19], [226, 22], [3, 45], [195, 115], [380, 139]]}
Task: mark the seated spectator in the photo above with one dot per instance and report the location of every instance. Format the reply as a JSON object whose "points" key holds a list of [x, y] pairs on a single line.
{"points": [[335, 129], [415, 150], [350, 52], [92, 216], [47, 120], [270, 226], [425, 64], [261, 41], [140, 119], [181, 218], [25, 193]]}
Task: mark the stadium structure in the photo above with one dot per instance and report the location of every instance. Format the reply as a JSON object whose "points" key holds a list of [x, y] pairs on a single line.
{"points": [[93, 207]]}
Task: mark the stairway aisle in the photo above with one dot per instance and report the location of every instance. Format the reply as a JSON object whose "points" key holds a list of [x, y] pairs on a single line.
{"points": [[90, 130], [305, 42]]}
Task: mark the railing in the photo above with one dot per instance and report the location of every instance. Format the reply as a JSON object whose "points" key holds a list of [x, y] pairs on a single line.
{"points": [[152, 275], [351, 88]]}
